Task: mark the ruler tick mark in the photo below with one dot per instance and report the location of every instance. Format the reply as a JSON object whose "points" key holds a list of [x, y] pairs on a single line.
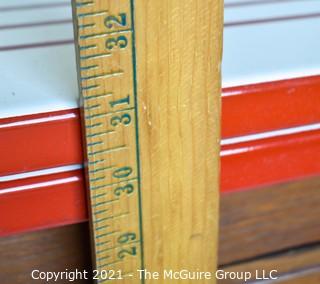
{"points": [[107, 150], [107, 113], [100, 211], [87, 47], [106, 234], [95, 143], [83, 4], [97, 179], [104, 75], [111, 217], [101, 169], [95, 56], [94, 125], [91, 87], [98, 195], [84, 26], [103, 243], [104, 34], [92, 14], [111, 184], [87, 68], [103, 258], [102, 227], [108, 264], [99, 133], [98, 96], [96, 162], [93, 107], [105, 202]]}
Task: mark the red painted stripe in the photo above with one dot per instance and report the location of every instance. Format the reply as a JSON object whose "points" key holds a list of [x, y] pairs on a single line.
{"points": [[269, 106], [44, 140], [53, 139], [269, 161], [245, 110], [41, 207], [261, 162]]}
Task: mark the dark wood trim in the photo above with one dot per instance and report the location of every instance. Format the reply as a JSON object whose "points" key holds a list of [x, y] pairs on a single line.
{"points": [[48, 250], [293, 266], [254, 226], [262, 221]]}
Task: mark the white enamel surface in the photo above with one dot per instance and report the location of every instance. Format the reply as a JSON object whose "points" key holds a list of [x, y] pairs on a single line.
{"points": [[271, 51], [39, 79], [44, 78]]}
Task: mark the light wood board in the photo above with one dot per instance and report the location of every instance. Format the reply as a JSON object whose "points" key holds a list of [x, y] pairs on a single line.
{"points": [[150, 83]]}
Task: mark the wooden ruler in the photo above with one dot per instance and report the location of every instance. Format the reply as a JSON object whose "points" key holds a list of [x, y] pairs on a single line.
{"points": [[149, 76]]}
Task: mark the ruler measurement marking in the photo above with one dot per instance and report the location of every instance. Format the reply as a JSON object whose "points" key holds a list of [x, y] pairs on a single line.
{"points": [[102, 243], [95, 143], [108, 264], [101, 169], [86, 26], [100, 195], [119, 246], [96, 162], [117, 148], [99, 133], [106, 234], [128, 170], [104, 34], [103, 258], [100, 211], [102, 227], [111, 217], [105, 202], [87, 47], [91, 87], [95, 56], [93, 107], [87, 68], [105, 75], [92, 14], [109, 112], [98, 96], [112, 184], [84, 4]]}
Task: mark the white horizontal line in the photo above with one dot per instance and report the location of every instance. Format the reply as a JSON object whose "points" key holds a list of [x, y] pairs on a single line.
{"points": [[40, 173], [38, 120], [38, 185], [270, 134]]}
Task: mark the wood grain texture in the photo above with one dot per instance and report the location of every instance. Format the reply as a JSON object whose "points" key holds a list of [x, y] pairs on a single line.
{"points": [[151, 98], [48, 250], [270, 219], [293, 266], [179, 47]]}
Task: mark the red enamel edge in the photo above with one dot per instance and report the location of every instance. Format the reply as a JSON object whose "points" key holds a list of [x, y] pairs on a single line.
{"points": [[269, 161], [62, 201], [40, 141], [49, 140], [53, 139], [42, 202], [269, 106]]}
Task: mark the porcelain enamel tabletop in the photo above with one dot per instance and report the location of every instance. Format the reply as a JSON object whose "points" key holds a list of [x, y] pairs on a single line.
{"points": [[264, 40]]}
